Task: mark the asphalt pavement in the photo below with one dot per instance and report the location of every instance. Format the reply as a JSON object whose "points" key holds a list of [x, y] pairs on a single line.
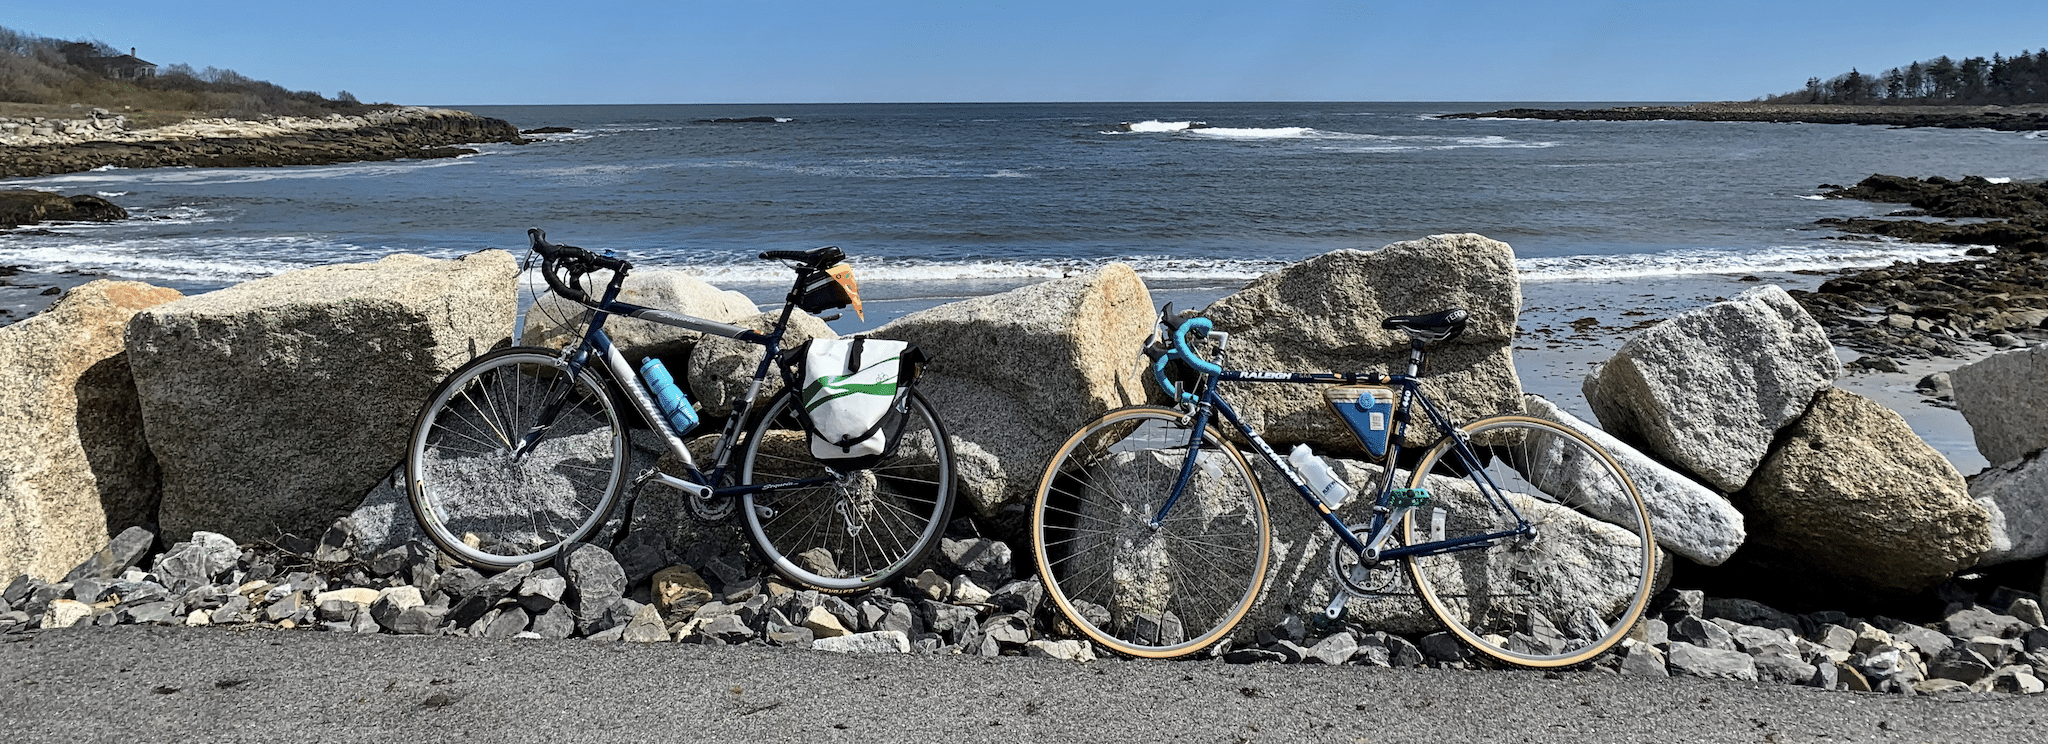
{"points": [[256, 685]]}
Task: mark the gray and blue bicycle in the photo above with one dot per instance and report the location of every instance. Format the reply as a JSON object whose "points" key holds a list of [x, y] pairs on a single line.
{"points": [[524, 450], [1522, 536]]}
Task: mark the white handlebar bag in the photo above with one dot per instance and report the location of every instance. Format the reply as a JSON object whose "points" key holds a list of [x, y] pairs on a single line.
{"points": [[854, 398]]}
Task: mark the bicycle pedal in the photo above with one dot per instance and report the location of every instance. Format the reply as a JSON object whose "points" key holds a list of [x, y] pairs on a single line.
{"points": [[1338, 599]]}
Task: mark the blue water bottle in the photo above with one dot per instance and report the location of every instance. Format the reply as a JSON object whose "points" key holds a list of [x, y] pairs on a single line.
{"points": [[669, 398]]}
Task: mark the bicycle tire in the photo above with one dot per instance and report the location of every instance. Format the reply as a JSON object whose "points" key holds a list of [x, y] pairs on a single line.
{"points": [[871, 525], [1554, 598], [491, 508], [1153, 593]]}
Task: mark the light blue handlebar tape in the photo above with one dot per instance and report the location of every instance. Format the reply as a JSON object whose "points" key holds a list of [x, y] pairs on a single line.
{"points": [[1187, 355]]}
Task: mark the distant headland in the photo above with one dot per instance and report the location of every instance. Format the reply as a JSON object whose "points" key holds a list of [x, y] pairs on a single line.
{"points": [[2021, 118]]}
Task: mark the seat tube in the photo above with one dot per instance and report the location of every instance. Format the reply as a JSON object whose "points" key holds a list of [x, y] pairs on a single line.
{"points": [[1187, 465]]}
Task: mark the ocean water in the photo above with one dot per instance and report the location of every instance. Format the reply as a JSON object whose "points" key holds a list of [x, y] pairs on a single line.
{"points": [[947, 200]]}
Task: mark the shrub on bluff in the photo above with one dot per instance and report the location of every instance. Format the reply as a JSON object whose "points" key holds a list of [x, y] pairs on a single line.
{"points": [[74, 467], [275, 404]]}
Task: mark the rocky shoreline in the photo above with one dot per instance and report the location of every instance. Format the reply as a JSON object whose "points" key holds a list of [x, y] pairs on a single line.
{"points": [[47, 148], [1997, 298], [2026, 118], [1813, 477]]}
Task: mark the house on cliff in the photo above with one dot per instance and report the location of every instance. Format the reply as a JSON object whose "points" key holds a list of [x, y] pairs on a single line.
{"points": [[93, 57]]}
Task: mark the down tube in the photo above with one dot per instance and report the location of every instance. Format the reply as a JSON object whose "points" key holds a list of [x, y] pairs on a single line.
{"points": [[1287, 471]]}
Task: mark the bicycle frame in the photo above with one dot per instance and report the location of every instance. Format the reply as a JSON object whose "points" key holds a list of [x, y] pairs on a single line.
{"points": [[1206, 401], [596, 346]]}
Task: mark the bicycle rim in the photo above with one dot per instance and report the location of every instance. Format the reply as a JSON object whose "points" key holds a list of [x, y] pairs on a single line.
{"points": [[1143, 591], [860, 530], [494, 490], [1558, 596]]}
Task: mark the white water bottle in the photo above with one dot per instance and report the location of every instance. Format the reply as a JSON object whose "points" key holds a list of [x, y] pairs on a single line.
{"points": [[1321, 479]]}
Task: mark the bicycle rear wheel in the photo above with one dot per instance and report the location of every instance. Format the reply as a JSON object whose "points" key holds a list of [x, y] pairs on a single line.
{"points": [[1557, 595], [1139, 590], [860, 529], [512, 458]]}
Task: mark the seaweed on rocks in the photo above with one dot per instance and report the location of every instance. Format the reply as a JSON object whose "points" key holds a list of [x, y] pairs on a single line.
{"points": [[1922, 309]]}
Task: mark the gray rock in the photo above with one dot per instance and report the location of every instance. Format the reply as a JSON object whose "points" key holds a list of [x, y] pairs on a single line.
{"points": [[1009, 630], [420, 620], [150, 613], [384, 521], [206, 556], [647, 626], [948, 620], [1837, 637], [1442, 646], [728, 628], [789, 635], [2027, 611], [1784, 669], [393, 602], [1067, 650], [1854, 495], [1019, 596], [2015, 495], [1643, 660], [1708, 389], [1960, 664], [1756, 641], [594, 576], [987, 562], [1338, 648], [1686, 517], [1290, 628], [509, 622], [555, 623], [121, 553], [19, 589], [1977, 621], [1290, 652], [2000, 396], [1826, 676], [1750, 612], [1019, 371], [2018, 680], [1251, 656], [1690, 660], [337, 543], [256, 357], [1927, 642], [542, 589], [74, 464], [876, 642]]}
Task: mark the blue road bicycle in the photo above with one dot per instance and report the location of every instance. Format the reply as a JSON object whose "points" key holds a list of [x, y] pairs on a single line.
{"points": [[1522, 536], [523, 450]]}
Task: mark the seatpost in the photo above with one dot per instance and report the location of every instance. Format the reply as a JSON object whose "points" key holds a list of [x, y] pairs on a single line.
{"points": [[1414, 357]]}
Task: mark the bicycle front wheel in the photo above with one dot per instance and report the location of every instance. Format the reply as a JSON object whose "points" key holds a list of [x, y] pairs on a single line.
{"points": [[513, 458], [1139, 589], [852, 531], [1562, 591]]}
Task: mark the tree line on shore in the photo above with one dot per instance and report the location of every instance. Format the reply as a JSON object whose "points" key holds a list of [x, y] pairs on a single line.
{"points": [[40, 70], [1942, 81]]}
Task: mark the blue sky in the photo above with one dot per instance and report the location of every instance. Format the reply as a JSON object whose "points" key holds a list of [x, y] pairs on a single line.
{"points": [[803, 51]]}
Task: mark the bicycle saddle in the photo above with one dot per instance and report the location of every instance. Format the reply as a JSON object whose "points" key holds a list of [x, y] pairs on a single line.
{"points": [[1443, 325], [816, 258]]}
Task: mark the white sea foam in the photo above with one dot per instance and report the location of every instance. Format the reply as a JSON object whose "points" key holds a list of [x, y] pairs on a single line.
{"points": [[112, 194], [1690, 261], [1811, 197], [1154, 125], [1999, 179]]}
